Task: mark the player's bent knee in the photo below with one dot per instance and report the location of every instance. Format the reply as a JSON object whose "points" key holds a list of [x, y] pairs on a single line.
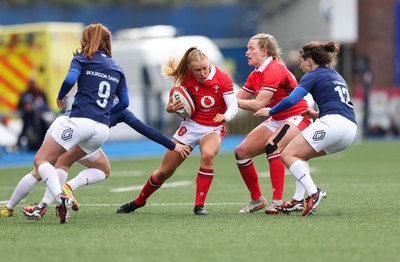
{"points": [[285, 156], [207, 157], [36, 175], [269, 149], [239, 153], [107, 174]]}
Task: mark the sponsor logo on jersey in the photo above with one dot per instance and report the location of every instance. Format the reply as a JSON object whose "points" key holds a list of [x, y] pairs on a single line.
{"points": [[207, 101]]}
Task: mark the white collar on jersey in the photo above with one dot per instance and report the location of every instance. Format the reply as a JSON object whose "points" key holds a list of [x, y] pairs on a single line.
{"points": [[265, 64], [212, 72]]}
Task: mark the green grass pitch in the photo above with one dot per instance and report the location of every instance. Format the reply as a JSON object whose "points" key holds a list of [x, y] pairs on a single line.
{"points": [[359, 220]]}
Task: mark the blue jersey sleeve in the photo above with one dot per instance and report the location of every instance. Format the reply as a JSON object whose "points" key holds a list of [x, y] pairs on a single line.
{"points": [[122, 94], [131, 120], [122, 104], [297, 94], [68, 83]]}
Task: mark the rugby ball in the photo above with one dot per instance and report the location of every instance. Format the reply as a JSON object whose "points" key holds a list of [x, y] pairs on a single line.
{"points": [[182, 94]]}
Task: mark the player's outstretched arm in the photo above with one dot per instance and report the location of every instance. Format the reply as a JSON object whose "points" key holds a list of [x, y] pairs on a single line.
{"points": [[131, 120]]}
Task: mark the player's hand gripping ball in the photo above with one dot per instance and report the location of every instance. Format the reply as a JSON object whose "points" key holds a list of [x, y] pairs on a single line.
{"points": [[182, 94]]}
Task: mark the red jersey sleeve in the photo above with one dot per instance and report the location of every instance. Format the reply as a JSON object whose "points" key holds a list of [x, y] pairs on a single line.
{"points": [[282, 82]]}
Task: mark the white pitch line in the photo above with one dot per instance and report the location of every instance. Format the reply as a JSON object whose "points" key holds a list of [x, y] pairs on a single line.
{"points": [[267, 174], [135, 173], [165, 204], [3, 202], [129, 173], [165, 185]]}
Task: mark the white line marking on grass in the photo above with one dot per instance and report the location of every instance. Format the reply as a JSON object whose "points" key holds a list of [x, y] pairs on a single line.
{"points": [[267, 174], [129, 173], [137, 173], [165, 185], [3, 202], [163, 204]]}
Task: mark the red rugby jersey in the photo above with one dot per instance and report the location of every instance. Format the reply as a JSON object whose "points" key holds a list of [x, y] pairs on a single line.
{"points": [[208, 97], [278, 79]]}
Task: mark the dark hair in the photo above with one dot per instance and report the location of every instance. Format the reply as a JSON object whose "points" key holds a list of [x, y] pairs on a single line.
{"points": [[322, 53]]}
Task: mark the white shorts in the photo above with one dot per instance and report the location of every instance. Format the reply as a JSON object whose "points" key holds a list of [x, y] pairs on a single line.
{"points": [[89, 135], [56, 123], [298, 121], [190, 133], [330, 133]]}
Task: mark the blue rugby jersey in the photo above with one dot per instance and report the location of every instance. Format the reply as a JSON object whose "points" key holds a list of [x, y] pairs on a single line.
{"points": [[99, 80], [329, 91]]}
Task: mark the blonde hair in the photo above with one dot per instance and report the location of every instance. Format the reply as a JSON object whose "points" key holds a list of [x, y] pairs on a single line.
{"points": [[179, 71], [95, 37], [268, 42]]}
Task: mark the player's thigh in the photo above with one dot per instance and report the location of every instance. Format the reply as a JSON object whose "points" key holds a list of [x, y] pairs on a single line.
{"points": [[171, 161], [298, 148], [209, 145], [97, 159], [66, 160], [48, 152], [283, 135], [254, 143]]}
